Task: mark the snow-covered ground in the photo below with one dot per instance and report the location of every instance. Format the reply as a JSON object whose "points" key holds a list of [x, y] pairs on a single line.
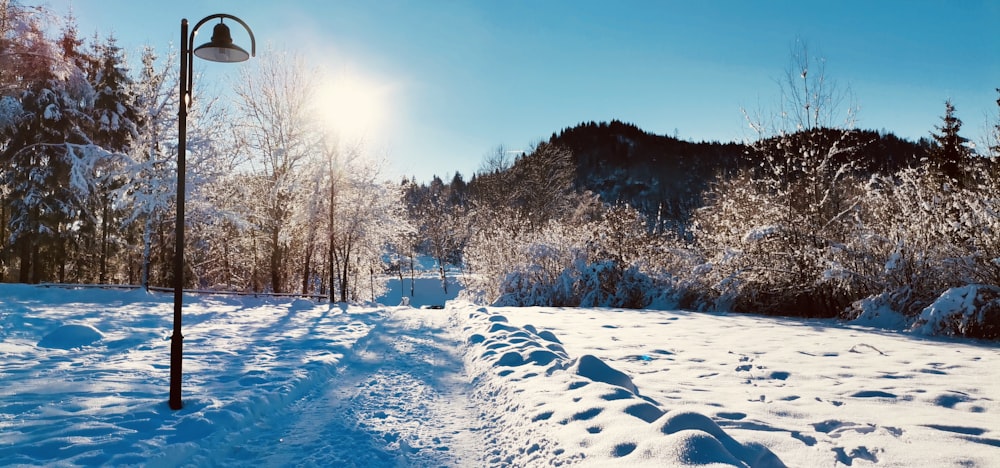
{"points": [[283, 382]]}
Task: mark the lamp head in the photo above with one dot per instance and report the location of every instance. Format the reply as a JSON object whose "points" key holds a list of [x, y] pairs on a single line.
{"points": [[221, 47]]}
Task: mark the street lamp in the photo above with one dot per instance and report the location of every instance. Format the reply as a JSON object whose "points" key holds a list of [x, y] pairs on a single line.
{"points": [[220, 49]]}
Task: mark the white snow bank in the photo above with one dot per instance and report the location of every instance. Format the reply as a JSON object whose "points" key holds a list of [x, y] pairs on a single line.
{"points": [[971, 311], [877, 312]]}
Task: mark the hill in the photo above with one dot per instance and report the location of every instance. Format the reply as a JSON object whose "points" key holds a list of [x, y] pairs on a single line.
{"points": [[665, 177]]}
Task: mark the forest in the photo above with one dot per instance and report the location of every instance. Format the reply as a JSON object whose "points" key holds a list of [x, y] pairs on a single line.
{"points": [[813, 217]]}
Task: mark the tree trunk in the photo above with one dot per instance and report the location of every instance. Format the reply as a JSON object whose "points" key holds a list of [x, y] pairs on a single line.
{"points": [[331, 257], [103, 276], [275, 262], [147, 246], [306, 268], [402, 294], [444, 279], [24, 255], [62, 259], [344, 279], [346, 282]]}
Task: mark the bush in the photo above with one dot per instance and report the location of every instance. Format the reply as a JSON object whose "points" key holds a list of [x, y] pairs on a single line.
{"points": [[971, 311]]}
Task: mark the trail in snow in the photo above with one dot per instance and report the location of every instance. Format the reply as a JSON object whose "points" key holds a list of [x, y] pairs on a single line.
{"points": [[400, 398]]}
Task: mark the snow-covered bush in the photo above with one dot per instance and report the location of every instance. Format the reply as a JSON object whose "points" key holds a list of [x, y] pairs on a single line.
{"points": [[907, 218], [919, 235], [768, 249], [878, 311], [505, 259], [610, 262], [971, 311]]}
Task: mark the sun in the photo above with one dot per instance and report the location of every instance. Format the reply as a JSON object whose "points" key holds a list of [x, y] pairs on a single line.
{"points": [[354, 107]]}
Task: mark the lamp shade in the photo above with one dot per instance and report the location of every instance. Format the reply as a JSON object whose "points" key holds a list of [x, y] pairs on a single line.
{"points": [[221, 48]]}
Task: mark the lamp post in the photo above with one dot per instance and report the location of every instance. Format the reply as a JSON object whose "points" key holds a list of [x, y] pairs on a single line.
{"points": [[219, 49]]}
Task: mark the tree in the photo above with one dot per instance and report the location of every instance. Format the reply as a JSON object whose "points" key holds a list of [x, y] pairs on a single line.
{"points": [[26, 54], [810, 99], [116, 122], [544, 188], [48, 156], [147, 188], [365, 216], [275, 99], [769, 230], [536, 186], [951, 151], [441, 220]]}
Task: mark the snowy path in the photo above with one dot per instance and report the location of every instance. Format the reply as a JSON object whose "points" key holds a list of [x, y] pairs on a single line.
{"points": [[400, 398]]}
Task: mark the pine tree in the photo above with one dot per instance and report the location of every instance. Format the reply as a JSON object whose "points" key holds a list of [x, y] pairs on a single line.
{"points": [[115, 117], [951, 152], [39, 169], [38, 136]]}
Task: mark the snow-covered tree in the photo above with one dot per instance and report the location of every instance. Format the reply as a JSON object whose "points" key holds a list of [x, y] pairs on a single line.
{"points": [[148, 189], [365, 216], [27, 55], [116, 122], [48, 157], [768, 230], [275, 99], [441, 218]]}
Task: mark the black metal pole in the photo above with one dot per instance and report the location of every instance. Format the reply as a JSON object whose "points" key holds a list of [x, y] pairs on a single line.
{"points": [[177, 340]]}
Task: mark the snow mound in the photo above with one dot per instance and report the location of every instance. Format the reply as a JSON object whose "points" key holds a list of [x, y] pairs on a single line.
{"points": [[553, 409], [708, 443], [878, 312], [599, 371], [71, 336], [972, 311]]}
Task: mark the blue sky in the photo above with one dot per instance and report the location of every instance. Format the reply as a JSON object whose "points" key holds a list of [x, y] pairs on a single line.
{"points": [[435, 85]]}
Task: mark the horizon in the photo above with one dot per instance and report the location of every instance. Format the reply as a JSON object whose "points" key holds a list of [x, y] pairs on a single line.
{"points": [[436, 86]]}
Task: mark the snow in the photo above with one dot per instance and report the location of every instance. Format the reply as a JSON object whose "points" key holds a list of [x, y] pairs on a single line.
{"points": [[282, 381], [958, 310], [760, 233], [71, 336]]}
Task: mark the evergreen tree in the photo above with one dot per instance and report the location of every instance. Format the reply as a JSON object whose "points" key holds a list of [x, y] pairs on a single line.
{"points": [[41, 168], [951, 151], [50, 161], [115, 117]]}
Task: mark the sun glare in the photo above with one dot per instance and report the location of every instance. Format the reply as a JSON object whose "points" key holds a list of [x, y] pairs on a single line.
{"points": [[354, 107]]}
